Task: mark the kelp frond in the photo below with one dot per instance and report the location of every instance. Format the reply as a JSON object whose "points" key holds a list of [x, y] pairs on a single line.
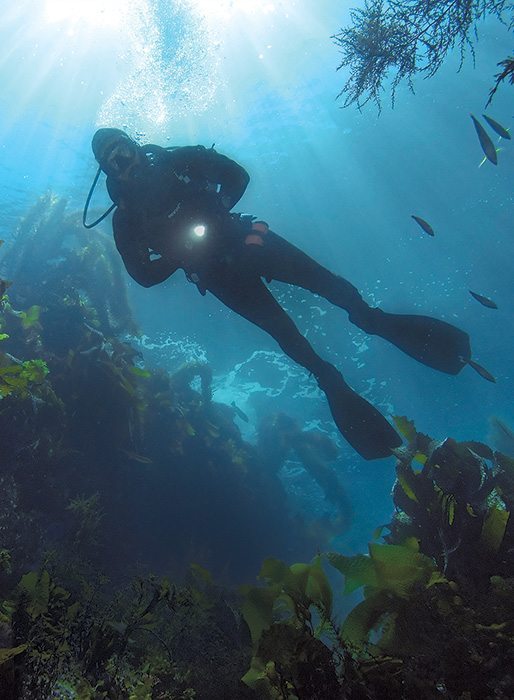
{"points": [[397, 39]]}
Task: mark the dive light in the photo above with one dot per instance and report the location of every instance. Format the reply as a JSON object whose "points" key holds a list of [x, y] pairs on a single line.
{"points": [[199, 230]]}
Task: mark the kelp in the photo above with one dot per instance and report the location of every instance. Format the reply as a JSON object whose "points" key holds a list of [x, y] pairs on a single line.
{"points": [[287, 621], [394, 41], [111, 469], [279, 436], [84, 643], [446, 503], [442, 580], [51, 255]]}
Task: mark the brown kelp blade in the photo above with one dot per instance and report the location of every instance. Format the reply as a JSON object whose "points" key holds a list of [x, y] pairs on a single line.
{"points": [[496, 126], [488, 146], [485, 301]]}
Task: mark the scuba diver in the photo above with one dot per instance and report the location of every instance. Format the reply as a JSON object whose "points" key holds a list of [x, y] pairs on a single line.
{"points": [[173, 211]]}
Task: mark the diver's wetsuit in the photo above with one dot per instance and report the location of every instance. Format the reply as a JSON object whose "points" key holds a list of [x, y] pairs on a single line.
{"points": [[171, 192], [232, 258]]}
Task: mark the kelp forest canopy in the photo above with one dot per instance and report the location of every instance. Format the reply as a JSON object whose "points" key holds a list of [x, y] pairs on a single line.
{"points": [[132, 505], [391, 41]]}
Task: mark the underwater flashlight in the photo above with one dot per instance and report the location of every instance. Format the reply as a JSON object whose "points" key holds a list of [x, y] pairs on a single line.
{"points": [[199, 230]]}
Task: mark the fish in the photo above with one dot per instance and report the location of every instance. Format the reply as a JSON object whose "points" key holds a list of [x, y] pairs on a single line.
{"points": [[481, 371], [424, 225], [500, 130], [484, 300], [239, 413], [488, 146]]}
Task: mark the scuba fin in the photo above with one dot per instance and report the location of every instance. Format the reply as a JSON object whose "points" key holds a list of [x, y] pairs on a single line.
{"points": [[428, 340], [365, 428]]}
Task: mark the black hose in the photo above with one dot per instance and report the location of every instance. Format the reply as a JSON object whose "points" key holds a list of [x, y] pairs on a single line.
{"points": [[88, 200]]}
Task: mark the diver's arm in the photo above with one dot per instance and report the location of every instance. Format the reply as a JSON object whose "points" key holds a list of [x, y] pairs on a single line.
{"points": [[207, 166], [136, 255], [232, 177]]}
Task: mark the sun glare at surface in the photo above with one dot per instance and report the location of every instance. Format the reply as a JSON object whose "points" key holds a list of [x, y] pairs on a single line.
{"points": [[150, 64], [229, 8], [93, 12]]}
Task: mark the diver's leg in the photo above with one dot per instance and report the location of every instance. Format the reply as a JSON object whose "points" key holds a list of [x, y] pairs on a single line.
{"points": [[433, 342], [358, 421]]}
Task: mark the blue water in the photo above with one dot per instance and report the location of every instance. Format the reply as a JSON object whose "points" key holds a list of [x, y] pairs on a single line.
{"points": [[261, 83]]}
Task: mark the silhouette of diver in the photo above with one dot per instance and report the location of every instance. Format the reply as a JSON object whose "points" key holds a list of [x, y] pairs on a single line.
{"points": [[173, 211]]}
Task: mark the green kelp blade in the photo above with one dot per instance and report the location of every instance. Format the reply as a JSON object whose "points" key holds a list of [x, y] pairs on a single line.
{"points": [[357, 570], [257, 609], [140, 372], [296, 583], [450, 508], [399, 568], [293, 580], [36, 588], [257, 678], [35, 370], [30, 317], [318, 587], [406, 487], [10, 370], [377, 532], [363, 619], [274, 570], [8, 654], [406, 428], [493, 529], [198, 572]]}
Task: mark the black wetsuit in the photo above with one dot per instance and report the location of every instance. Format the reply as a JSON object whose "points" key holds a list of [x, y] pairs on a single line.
{"points": [[171, 192], [180, 188]]}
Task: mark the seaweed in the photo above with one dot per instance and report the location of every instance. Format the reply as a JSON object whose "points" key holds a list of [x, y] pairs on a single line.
{"points": [[442, 580], [112, 470], [287, 621], [279, 436], [397, 40]]}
